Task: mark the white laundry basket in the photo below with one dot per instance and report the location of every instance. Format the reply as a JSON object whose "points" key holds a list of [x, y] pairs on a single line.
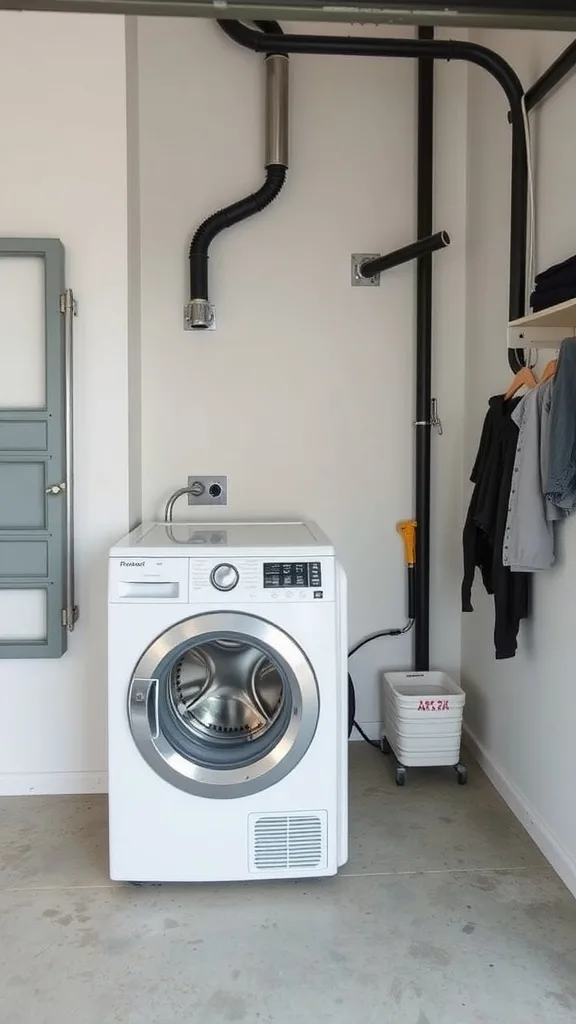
{"points": [[423, 719]]}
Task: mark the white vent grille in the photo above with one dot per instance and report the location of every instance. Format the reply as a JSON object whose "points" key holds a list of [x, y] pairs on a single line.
{"points": [[288, 842]]}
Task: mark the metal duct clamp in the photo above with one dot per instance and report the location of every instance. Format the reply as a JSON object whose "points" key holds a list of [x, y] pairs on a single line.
{"points": [[199, 314]]}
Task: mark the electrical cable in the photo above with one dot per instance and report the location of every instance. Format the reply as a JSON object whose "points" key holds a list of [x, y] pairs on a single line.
{"points": [[352, 723], [381, 633], [373, 743], [406, 528]]}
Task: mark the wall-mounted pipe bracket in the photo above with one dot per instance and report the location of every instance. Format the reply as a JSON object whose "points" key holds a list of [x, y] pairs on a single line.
{"points": [[357, 260], [367, 269]]}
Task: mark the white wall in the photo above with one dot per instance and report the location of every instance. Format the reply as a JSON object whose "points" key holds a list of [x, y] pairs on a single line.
{"points": [[63, 173], [304, 394], [521, 712]]}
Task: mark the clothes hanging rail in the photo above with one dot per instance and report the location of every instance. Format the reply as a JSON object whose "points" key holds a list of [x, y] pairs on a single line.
{"points": [[554, 76]]}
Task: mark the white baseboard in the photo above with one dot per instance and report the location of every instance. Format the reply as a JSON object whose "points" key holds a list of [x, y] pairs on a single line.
{"points": [[52, 783], [563, 864]]}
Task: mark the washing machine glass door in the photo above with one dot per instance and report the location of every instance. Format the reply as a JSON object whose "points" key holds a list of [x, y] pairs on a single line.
{"points": [[223, 704]]}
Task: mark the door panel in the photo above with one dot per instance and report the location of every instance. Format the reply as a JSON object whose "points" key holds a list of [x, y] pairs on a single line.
{"points": [[33, 531]]}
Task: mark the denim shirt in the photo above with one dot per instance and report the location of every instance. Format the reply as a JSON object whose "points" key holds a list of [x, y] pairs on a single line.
{"points": [[561, 476]]}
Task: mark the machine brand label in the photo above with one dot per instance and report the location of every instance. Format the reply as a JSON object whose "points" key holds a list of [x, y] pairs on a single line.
{"points": [[132, 565]]}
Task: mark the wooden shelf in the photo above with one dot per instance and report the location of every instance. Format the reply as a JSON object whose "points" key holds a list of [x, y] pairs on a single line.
{"points": [[546, 329]]}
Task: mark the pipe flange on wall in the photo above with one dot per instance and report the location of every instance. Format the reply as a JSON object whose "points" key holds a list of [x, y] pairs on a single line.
{"points": [[357, 279], [199, 315]]}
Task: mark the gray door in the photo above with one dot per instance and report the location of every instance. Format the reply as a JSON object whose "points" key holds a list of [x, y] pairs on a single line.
{"points": [[223, 704], [33, 529]]}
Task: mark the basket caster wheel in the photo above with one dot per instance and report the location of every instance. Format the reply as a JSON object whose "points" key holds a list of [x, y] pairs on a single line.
{"points": [[462, 773], [400, 776], [385, 746]]}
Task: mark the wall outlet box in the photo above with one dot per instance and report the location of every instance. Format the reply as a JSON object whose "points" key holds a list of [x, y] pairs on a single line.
{"points": [[208, 490]]}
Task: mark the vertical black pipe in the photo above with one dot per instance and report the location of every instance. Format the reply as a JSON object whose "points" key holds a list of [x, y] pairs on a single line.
{"points": [[425, 215], [518, 238]]}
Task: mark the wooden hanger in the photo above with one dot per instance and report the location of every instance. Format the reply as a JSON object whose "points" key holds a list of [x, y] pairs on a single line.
{"points": [[549, 370], [524, 378]]}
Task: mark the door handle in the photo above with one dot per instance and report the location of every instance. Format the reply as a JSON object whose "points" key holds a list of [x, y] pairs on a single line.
{"points": [[144, 703], [55, 489]]}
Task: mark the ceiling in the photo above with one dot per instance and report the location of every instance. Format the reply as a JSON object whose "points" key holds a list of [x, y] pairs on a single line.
{"points": [[556, 14]]}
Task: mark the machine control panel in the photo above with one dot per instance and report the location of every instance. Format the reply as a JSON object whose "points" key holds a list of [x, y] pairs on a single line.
{"points": [[211, 581], [292, 574]]}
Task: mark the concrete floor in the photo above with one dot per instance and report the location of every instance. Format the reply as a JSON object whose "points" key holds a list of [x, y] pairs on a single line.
{"points": [[445, 914]]}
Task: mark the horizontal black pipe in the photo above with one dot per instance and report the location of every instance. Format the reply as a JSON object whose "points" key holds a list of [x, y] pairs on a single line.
{"points": [[437, 49], [423, 247], [217, 222]]}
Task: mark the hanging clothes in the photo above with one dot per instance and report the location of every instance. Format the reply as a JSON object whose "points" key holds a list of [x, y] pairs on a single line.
{"points": [[561, 477], [483, 536], [529, 535]]}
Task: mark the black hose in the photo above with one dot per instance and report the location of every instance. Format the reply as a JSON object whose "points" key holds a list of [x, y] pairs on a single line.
{"points": [[225, 218]]}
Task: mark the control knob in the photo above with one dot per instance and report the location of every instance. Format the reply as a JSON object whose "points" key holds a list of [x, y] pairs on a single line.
{"points": [[224, 576]]}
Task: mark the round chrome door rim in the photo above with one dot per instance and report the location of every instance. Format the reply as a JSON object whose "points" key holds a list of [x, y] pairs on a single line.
{"points": [[224, 782]]}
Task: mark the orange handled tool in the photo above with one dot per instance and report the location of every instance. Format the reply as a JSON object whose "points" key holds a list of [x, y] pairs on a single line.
{"points": [[407, 530]]}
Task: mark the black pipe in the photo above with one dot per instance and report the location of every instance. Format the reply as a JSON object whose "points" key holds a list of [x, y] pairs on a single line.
{"points": [[425, 214], [427, 49], [217, 222], [437, 49], [235, 213], [411, 592], [408, 252], [272, 27], [552, 77]]}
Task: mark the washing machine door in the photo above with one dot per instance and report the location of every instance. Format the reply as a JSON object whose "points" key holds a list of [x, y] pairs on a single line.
{"points": [[223, 704]]}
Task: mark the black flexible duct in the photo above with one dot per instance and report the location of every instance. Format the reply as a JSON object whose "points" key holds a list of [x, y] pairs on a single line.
{"points": [[437, 49], [222, 219], [233, 214]]}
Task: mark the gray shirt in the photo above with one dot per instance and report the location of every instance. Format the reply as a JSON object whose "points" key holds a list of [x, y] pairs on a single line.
{"points": [[529, 534]]}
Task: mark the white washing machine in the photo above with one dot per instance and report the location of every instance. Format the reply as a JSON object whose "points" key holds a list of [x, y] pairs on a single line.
{"points": [[228, 709]]}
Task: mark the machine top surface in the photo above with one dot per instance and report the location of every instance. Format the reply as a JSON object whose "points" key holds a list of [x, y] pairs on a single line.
{"points": [[231, 537]]}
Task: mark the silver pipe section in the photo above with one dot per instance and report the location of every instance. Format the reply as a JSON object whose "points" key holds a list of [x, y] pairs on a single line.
{"points": [[277, 99], [172, 501]]}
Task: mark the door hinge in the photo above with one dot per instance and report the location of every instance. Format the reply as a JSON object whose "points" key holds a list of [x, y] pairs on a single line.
{"points": [[75, 616], [68, 302]]}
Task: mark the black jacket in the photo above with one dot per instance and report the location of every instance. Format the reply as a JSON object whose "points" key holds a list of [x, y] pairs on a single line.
{"points": [[485, 525]]}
